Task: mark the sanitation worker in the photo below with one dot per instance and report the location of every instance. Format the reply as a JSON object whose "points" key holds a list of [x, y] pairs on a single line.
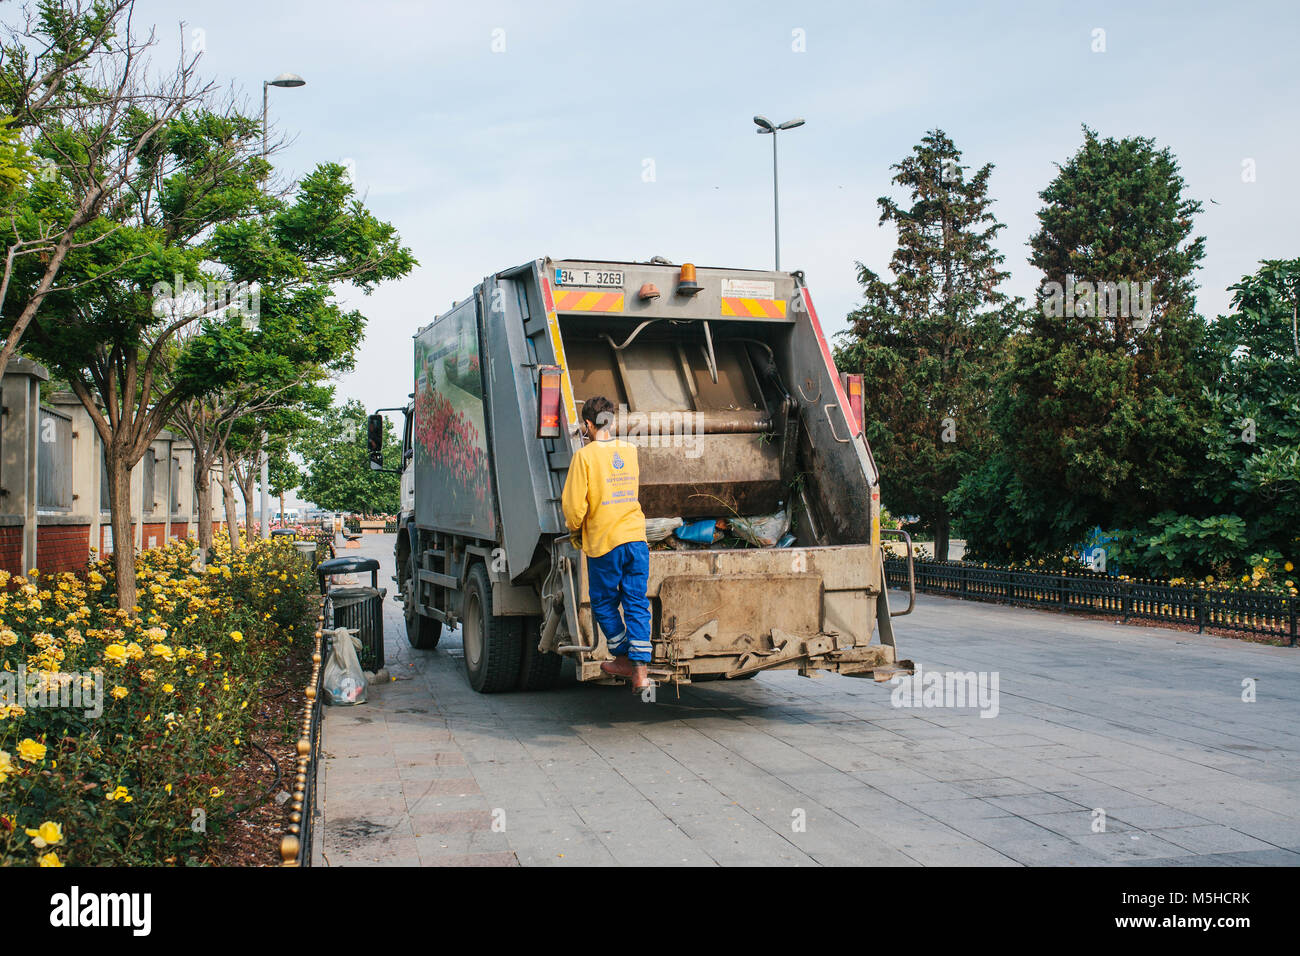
{"points": [[606, 521]]}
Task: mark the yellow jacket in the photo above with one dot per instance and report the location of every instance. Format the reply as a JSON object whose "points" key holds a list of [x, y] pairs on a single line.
{"points": [[600, 496]]}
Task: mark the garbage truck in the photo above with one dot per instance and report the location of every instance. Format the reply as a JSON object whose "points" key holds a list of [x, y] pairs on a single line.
{"points": [[761, 496]]}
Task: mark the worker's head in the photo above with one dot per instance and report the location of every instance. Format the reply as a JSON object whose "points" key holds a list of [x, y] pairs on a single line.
{"points": [[597, 415]]}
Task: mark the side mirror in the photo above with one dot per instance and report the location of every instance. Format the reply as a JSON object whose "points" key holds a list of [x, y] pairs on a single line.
{"points": [[375, 441]]}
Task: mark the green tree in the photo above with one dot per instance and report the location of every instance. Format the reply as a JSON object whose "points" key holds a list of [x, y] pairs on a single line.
{"points": [[84, 102], [135, 347], [1243, 503], [337, 469], [1099, 412], [928, 342]]}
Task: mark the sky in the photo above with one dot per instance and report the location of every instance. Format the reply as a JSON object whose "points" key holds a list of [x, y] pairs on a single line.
{"points": [[494, 133]]}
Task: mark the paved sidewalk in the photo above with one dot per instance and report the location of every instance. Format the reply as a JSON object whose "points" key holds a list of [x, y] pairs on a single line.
{"points": [[1143, 728]]}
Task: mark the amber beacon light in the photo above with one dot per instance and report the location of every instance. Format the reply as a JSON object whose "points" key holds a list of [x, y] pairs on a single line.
{"points": [[686, 284]]}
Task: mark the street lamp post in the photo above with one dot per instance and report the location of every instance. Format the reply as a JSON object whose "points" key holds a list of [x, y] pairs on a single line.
{"points": [[766, 126], [289, 81]]}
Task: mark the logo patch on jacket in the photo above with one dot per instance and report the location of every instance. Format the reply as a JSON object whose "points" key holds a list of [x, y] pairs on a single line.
{"points": [[618, 462]]}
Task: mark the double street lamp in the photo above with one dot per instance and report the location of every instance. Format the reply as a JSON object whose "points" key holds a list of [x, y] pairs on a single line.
{"points": [[288, 81], [767, 126]]}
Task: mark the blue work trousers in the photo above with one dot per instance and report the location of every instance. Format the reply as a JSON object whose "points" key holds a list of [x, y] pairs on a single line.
{"points": [[619, 578]]}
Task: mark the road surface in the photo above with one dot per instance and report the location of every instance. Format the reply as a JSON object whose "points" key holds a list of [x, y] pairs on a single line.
{"points": [[1111, 744]]}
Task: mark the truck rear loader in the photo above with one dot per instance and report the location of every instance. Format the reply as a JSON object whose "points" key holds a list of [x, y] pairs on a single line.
{"points": [[725, 382]]}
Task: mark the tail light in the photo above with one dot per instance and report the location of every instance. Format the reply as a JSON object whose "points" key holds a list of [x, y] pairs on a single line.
{"points": [[548, 401], [854, 389]]}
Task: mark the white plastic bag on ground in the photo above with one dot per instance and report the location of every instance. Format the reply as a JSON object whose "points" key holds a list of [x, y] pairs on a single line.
{"points": [[656, 529], [345, 683], [763, 531]]}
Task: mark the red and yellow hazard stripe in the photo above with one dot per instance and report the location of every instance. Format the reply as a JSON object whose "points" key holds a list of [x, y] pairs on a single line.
{"points": [[586, 300], [754, 308]]}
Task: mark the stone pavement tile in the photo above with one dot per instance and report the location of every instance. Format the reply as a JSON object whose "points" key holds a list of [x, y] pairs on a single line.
{"points": [[965, 808], [644, 837], [913, 793], [459, 843], [362, 805], [1075, 824], [1025, 804], [1154, 816], [576, 846], [957, 854], [847, 756], [1052, 850], [1111, 799], [948, 766], [474, 859], [450, 821], [458, 786], [995, 787], [996, 831], [429, 771], [1211, 839], [1051, 779], [1272, 829], [1129, 845], [894, 775]]}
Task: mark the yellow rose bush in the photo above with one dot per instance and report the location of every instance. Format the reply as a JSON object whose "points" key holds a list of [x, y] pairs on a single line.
{"points": [[177, 682]]}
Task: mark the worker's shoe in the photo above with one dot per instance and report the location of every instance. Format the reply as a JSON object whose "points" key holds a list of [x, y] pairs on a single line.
{"points": [[620, 667], [640, 679]]}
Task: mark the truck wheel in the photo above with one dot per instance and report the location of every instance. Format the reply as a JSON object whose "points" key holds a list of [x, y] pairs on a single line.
{"points": [[537, 671], [423, 632], [492, 644]]}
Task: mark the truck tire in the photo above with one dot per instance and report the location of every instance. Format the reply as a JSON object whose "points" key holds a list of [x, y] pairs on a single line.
{"points": [[423, 632], [492, 644], [537, 671]]}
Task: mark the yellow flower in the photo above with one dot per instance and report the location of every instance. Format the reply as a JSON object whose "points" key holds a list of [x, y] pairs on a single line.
{"points": [[8, 638], [163, 651], [168, 788], [120, 692], [115, 654], [1288, 566], [121, 793], [50, 859], [48, 834], [134, 651], [31, 751], [236, 636], [6, 765], [216, 792], [168, 688]]}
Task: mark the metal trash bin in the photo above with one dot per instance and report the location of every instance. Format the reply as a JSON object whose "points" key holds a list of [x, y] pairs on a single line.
{"points": [[308, 550], [358, 607]]}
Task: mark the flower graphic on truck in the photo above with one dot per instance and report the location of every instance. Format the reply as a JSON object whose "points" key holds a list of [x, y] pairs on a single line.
{"points": [[453, 445]]}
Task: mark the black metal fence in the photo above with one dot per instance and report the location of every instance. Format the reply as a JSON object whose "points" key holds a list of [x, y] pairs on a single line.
{"points": [[1250, 612]]}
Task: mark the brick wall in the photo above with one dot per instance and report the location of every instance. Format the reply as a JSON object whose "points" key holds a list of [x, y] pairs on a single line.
{"points": [[11, 549], [180, 529], [62, 547], [155, 534]]}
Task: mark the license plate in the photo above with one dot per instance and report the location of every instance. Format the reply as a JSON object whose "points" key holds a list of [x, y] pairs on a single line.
{"points": [[592, 277]]}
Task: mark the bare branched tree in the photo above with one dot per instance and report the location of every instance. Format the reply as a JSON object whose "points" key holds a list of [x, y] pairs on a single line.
{"points": [[83, 94]]}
